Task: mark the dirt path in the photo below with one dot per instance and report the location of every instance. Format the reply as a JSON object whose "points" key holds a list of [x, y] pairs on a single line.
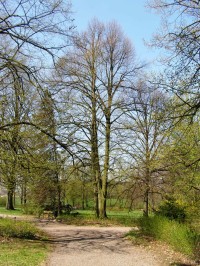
{"points": [[100, 246]]}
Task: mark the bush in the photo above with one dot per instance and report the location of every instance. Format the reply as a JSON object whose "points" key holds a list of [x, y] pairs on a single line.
{"points": [[19, 229], [32, 210], [181, 237], [172, 210]]}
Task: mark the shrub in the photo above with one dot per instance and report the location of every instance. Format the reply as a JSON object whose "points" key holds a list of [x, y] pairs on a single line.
{"points": [[19, 229], [32, 210], [180, 236], [172, 210]]}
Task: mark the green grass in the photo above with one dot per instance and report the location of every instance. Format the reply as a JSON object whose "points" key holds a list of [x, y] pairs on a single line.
{"points": [[21, 243], [87, 217], [178, 235], [15, 252], [17, 211]]}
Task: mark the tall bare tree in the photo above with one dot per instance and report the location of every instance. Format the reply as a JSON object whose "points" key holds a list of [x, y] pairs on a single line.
{"points": [[98, 69]]}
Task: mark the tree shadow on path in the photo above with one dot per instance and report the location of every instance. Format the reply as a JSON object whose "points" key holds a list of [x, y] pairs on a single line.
{"points": [[89, 240]]}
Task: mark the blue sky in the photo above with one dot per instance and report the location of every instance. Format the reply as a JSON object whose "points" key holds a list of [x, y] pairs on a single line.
{"points": [[137, 22]]}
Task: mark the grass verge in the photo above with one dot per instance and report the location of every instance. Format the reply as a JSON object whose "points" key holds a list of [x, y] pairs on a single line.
{"points": [[21, 244]]}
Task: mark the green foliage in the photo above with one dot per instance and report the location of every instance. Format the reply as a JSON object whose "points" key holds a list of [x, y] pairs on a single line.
{"points": [[181, 157], [18, 229], [172, 210], [32, 209], [179, 236], [2, 201]]}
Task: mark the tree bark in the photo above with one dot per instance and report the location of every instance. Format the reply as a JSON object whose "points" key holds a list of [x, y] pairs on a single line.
{"points": [[146, 203], [10, 200]]}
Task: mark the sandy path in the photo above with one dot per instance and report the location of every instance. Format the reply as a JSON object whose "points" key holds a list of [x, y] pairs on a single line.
{"points": [[96, 246]]}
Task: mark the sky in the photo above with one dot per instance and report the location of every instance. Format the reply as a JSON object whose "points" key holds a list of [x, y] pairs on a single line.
{"points": [[138, 22]]}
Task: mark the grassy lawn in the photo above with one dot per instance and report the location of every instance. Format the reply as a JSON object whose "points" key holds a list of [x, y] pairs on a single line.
{"points": [[18, 252], [17, 211], [87, 217], [110, 213]]}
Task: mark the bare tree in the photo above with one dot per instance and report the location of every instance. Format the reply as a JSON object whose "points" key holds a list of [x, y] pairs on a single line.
{"points": [[97, 70], [32, 33], [144, 135], [33, 26], [179, 36]]}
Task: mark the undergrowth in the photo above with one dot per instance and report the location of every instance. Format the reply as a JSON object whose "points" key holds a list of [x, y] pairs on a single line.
{"points": [[178, 235], [18, 229]]}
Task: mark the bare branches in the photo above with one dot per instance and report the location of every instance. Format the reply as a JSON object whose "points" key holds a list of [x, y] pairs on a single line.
{"points": [[180, 38], [33, 24]]}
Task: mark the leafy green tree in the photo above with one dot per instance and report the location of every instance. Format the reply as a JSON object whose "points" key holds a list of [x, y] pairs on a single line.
{"points": [[13, 110], [48, 160], [27, 29], [179, 38], [181, 155]]}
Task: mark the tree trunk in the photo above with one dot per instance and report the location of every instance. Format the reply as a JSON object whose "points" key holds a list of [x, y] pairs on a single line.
{"points": [[104, 182], [24, 193], [10, 200], [83, 195], [146, 203], [96, 196], [94, 150], [59, 207]]}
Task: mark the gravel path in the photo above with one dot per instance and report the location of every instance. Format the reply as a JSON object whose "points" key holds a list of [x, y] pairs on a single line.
{"points": [[96, 246]]}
